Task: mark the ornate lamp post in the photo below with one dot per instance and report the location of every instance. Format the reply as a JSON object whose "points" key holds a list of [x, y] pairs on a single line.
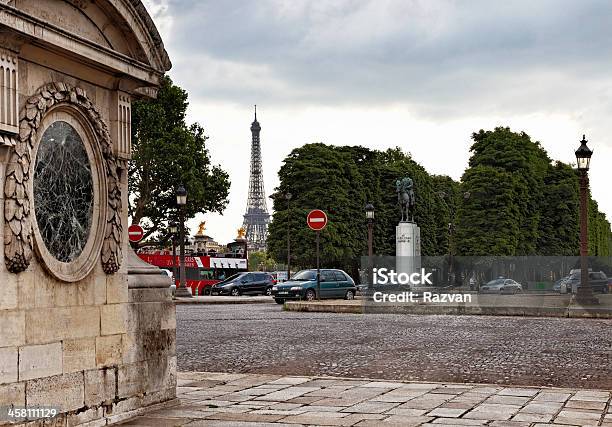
{"points": [[583, 157], [181, 201], [288, 197], [173, 228], [369, 211]]}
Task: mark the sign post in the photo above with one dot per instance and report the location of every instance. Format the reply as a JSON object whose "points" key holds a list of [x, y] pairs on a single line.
{"points": [[135, 233], [317, 220]]}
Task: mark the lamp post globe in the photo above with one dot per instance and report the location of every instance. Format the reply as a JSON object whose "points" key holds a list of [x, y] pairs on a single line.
{"points": [[173, 228], [369, 210], [181, 201], [583, 155], [181, 196], [584, 294]]}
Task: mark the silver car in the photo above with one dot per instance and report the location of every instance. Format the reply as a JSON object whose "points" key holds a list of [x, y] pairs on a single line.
{"points": [[501, 286]]}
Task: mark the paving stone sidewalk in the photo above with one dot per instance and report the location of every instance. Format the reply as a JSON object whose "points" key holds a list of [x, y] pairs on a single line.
{"points": [[223, 399]]}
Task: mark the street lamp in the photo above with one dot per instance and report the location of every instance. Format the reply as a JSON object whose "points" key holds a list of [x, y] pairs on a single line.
{"points": [[369, 211], [181, 201], [288, 197], [173, 228], [584, 295]]}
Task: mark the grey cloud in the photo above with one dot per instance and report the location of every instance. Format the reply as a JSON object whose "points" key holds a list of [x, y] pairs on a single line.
{"points": [[445, 58]]}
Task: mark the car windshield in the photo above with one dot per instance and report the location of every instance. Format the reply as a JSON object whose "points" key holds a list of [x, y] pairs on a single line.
{"points": [[496, 282], [305, 275], [233, 277]]}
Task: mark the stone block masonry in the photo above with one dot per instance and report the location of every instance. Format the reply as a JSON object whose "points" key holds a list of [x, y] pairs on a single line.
{"points": [[73, 335], [98, 377]]}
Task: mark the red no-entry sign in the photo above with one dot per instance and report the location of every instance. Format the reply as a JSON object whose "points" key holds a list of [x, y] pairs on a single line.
{"points": [[317, 219], [135, 233]]}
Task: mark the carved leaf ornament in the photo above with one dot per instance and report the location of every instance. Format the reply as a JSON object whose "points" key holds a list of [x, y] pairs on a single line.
{"points": [[18, 234]]}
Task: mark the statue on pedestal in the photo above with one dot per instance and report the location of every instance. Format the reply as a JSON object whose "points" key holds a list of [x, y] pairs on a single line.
{"points": [[407, 232], [406, 198]]}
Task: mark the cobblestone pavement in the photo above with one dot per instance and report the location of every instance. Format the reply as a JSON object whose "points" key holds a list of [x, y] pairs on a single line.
{"points": [[261, 338], [221, 399]]}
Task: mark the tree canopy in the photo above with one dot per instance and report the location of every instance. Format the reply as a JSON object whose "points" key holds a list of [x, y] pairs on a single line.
{"points": [[341, 181], [520, 203], [166, 153], [512, 200]]}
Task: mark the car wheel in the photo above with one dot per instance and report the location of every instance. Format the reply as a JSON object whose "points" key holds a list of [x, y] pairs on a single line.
{"points": [[310, 295], [207, 290], [235, 292], [350, 295], [268, 291], [279, 301]]}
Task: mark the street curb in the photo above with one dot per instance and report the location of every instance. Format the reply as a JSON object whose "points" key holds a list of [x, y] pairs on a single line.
{"points": [[571, 312], [194, 301]]}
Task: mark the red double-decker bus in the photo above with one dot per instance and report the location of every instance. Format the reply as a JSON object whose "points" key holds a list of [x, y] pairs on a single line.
{"points": [[201, 271]]}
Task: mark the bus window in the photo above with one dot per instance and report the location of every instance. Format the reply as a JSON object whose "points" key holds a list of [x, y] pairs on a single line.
{"points": [[206, 275], [192, 274]]}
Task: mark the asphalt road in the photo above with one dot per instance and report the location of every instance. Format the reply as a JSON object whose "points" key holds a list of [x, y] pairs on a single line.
{"points": [[260, 338]]}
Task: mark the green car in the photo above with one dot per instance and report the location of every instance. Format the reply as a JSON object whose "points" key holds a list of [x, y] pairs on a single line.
{"points": [[303, 286]]}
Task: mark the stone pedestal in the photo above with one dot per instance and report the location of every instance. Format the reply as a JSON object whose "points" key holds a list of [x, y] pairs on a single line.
{"points": [[149, 357], [407, 248]]}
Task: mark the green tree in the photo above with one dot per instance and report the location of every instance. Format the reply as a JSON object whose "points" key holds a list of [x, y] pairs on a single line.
{"points": [[322, 177], [522, 164], [559, 231], [487, 223], [341, 180], [449, 191], [260, 261], [166, 153], [519, 203]]}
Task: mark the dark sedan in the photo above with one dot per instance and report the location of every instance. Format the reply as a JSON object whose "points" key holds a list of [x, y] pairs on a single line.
{"points": [[244, 284], [597, 279]]}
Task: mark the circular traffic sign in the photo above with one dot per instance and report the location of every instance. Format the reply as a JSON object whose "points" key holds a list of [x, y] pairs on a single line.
{"points": [[135, 233], [317, 219]]}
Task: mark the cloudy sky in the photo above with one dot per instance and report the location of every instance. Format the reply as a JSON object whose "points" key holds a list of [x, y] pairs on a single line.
{"points": [[419, 74]]}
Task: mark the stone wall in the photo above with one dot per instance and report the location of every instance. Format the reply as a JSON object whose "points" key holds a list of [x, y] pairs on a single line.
{"points": [[102, 355], [94, 347]]}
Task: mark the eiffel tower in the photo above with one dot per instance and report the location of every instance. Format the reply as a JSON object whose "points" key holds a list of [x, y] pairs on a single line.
{"points": [[256, 218]]}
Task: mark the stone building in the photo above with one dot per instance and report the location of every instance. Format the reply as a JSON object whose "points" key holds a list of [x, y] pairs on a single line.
{"points": [[83, 326], [204, 244]]}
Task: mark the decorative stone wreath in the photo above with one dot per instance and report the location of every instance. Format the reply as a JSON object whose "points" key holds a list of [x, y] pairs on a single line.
{"points": [[18, 234]]}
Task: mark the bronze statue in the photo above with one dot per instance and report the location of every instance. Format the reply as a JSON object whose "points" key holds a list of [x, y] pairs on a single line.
{"points": [[406, 198], [201, 228]]}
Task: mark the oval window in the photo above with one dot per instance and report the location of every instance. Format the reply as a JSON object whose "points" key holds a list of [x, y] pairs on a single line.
{"points": [[63, 192]]}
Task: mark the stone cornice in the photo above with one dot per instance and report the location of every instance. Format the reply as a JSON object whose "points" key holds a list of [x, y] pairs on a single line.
{"points": [[52, 37]]}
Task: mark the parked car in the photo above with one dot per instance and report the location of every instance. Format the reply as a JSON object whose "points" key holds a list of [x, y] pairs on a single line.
{"points": [[501, 286], [244, 284], [562, 284], [279, 276], [303, 285], [170, 276], [597, 279]]}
